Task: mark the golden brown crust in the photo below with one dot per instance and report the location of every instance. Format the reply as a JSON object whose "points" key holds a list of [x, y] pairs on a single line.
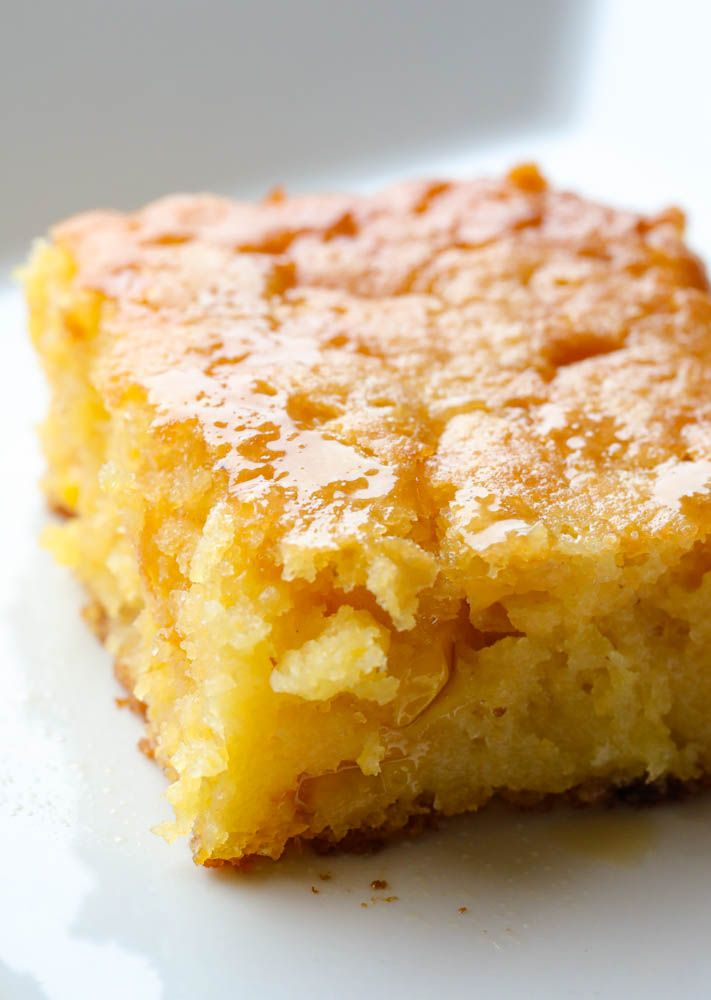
{"points": [[431, 342]]}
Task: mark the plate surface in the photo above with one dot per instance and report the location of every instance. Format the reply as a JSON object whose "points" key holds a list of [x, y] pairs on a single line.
{"points": [[506, 904]]}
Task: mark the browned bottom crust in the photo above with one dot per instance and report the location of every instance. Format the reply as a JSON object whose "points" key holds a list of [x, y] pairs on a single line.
{"points": [[638, 794]]}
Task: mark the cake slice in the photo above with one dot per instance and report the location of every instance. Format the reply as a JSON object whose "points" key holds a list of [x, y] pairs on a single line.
{"points": [[387, 504]]}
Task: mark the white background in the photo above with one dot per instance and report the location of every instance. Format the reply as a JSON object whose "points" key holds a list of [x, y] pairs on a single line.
{"points": [[113, 104]]}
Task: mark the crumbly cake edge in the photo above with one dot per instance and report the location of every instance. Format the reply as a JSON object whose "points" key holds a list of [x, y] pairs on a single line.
{"points": [[637, 794]]}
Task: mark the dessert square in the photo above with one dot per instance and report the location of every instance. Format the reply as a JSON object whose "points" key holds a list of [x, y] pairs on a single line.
{"points": [[387, 504]]}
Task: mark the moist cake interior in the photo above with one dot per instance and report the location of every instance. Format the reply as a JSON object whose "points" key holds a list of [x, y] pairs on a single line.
{"points": [[387, 504]]}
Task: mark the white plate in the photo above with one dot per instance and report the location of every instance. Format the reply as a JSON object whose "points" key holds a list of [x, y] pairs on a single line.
{"points": [[92, 904]]}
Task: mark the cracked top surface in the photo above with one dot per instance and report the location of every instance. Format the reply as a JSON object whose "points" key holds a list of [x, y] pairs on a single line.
{"points": [[495, 358]]}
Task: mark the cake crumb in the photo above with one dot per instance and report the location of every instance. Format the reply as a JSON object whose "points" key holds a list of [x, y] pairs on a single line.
{"points": [[325, 876], [314, 890], [392, 899], [389, 458], [364, 906], [463, 909], [379, 884]]}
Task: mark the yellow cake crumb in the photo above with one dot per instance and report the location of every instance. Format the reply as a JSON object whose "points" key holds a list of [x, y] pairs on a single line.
{"points": [[386, 504]]}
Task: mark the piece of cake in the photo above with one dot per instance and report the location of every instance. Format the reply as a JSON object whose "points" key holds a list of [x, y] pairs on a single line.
{"points": [[387, 504]]}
